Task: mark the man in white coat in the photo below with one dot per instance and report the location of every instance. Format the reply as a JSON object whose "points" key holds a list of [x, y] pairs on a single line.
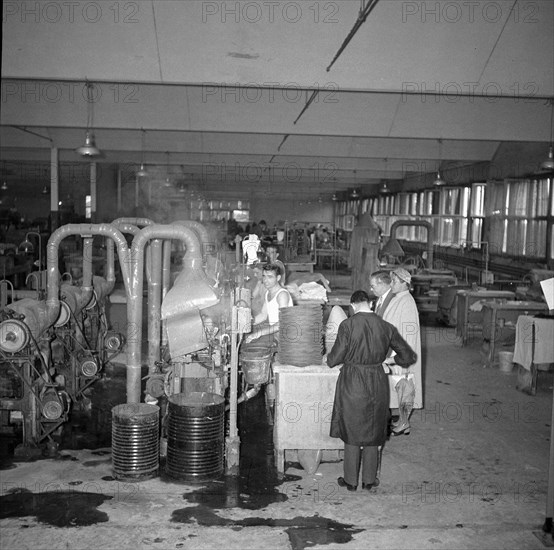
{"points": [[403, 314]]}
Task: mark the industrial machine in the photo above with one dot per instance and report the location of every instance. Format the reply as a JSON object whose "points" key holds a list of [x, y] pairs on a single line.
{"points": [[55, 344]]}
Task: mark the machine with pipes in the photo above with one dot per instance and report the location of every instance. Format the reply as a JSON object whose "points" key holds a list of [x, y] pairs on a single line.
{"points": [[51, 352], [54, 349]]}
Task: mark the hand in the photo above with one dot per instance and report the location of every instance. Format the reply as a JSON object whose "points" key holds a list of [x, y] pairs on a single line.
{"points": [[396, 369]]}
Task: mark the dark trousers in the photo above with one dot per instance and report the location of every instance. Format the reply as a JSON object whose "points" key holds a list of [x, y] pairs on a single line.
{"points": [[367, 457]]}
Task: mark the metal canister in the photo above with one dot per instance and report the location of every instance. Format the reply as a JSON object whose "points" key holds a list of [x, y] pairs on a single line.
{"points": [[195, 436], [135, 441]]}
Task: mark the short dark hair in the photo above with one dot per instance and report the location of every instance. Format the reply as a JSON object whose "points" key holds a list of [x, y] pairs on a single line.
{"points": [[359, 296], [273, 267], [382, 276]]}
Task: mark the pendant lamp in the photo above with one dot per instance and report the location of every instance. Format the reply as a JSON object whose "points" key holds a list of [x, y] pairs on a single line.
{"points": [[548, 163], [438, 180], [89, 149], [142, 171]]}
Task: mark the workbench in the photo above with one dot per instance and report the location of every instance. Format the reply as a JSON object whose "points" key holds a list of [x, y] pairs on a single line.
{"points": [[499, 322], [470, 309], [300, 267], [427, 284], [303, 407]]}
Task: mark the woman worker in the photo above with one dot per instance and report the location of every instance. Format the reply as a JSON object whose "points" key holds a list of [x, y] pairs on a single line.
{"points": [[361, 406]]}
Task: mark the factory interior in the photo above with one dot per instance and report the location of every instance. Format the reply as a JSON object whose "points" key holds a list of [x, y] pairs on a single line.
{"points": [[156, 155]]}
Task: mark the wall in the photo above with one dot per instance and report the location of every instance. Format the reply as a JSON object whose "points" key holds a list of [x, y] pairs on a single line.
{"points": [[276, 211]]}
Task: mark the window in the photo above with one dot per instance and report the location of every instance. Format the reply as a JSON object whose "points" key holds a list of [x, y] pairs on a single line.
{"points": [[88, 207], [518, 217]]}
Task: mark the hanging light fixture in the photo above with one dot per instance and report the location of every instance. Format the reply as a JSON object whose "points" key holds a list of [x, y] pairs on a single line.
{"points": [[142, 171], [334, 197], [89, 148], [4, 186], [438, 180], [384, 189], [45, 189], [355, 194], [548, 163], [167, 182]]}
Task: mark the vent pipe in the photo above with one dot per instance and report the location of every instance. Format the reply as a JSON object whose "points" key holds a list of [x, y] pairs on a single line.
{"points": [[191, 261], [430, 235]]}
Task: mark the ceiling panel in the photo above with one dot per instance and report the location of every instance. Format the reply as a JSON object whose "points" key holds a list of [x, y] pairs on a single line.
{"points": [[224, 90]]}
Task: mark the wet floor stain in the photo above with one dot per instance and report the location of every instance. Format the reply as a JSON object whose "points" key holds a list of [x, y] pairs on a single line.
{"points": [[92, 463], [255, 488], [303, 532], [59, 509]]}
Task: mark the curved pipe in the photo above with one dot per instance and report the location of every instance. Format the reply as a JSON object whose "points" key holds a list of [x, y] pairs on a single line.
{"points": [[126, 227], [192, 260], [420, 223], [139, 222], [203, 235], [53, 275]]}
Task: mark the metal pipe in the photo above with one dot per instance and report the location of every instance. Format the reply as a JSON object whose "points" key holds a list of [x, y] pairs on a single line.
{"points": [[166, 281], [430, 235], [192, 259], [126, 227], [203, 235], [154, 277], [141, 222], [53, 275], [86, 286]]}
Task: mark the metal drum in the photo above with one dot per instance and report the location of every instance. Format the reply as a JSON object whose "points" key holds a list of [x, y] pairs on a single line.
{"points": [[195, 436], [135, 441]]}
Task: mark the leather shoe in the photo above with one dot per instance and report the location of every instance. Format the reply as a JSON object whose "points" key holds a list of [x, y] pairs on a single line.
{"points": [[343, 483], [369, 486], [402, 429]]}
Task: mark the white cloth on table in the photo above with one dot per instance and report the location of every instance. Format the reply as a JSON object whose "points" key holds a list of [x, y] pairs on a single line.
{"points": [[544, 341]]}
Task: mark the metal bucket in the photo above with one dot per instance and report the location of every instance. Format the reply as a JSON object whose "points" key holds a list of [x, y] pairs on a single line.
{"points": [[255, 367], [135, 441], [195, 436], [505, 361]]}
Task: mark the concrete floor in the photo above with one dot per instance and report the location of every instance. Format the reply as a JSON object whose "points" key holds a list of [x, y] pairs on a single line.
{"points": [[472, 474]]}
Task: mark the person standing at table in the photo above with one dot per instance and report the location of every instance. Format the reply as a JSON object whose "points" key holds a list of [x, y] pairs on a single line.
{"points": [[406, 386], [361, 405], [380, 285]]}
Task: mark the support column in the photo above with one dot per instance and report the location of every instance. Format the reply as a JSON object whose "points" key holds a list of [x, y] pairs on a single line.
{"points": [[54, 190], [119, 189], [93, 192]]}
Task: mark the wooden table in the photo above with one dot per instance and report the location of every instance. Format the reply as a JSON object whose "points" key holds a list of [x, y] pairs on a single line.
{"points": [[303, 406], [300, 266], [470, 309]]}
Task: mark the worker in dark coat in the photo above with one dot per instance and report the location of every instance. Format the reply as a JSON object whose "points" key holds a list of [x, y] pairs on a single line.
{"points": [[361, 406]]}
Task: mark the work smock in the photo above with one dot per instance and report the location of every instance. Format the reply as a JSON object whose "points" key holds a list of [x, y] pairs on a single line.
{"points": [[361, 404]]}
